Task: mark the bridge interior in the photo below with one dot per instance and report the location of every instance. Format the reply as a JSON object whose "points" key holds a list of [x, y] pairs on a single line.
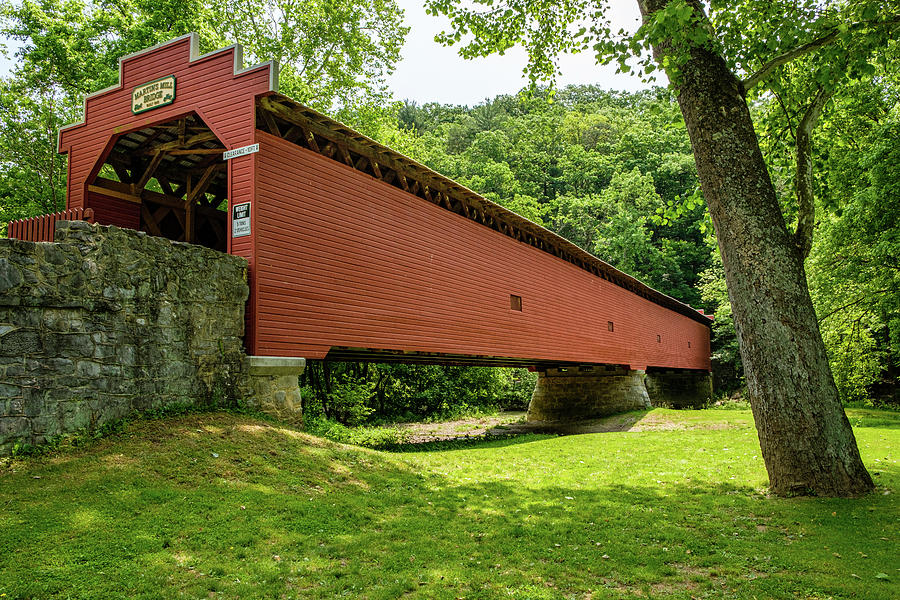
{"points": [[174, 173]]}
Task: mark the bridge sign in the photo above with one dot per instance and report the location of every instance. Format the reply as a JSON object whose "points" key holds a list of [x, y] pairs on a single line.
{"points": [[240, 220], [156, 93], [240, 151]]}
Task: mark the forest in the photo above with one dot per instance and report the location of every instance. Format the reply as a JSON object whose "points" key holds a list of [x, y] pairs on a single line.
{"points": [[611, 171]]}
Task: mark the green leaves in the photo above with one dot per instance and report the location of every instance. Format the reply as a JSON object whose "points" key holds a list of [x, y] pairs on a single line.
{"points": [[331, 53]]}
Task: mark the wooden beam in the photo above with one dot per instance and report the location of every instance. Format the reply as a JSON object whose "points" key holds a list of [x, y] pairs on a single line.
{"points": [[107, 189], [122, 172], [195, 151], [174, 174], [269, 120], [165, 184], [345, 153], [179, 144], [217, 226], [189, 221], [116, 189], [293, 134], [149, 221], [148, 172], [311, 141], [201, 186], [336, 137], [154, 136]]}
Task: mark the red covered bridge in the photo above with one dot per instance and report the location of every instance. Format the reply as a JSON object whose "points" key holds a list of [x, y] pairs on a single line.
{"points": [[356, 251]]}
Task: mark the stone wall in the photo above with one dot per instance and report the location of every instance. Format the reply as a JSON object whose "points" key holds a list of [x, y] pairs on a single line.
{"points": [[578, 393], [107, 321]]}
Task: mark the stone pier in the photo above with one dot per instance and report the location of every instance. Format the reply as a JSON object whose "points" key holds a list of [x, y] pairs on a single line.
{"points": [[273, 384], [679, 389], [586, 392]]}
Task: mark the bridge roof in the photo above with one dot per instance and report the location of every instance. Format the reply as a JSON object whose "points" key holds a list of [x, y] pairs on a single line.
{"points": [[343, 143]]}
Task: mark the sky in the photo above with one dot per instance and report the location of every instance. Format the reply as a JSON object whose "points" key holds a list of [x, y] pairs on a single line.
{"points": [[429, 72]]}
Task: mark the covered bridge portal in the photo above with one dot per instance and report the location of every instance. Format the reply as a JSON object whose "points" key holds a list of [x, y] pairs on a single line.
{"points": [[355, 251]]}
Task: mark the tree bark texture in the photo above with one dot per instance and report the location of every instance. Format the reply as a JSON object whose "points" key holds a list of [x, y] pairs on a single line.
{"points": [[806, 440]]}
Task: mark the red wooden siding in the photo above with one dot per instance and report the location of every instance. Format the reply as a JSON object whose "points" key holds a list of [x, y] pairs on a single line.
{"points": [[42, 228], [344, 259], [114, 211]]}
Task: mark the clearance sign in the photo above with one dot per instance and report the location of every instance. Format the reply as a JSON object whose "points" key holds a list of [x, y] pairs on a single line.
{"points": [[153, 94]]}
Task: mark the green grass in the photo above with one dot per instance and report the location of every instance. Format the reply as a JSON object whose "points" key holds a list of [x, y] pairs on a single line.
{"points": [[225, 506]]}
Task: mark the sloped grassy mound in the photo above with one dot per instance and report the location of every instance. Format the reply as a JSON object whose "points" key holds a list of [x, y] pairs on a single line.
{"points": [[226, 506]]}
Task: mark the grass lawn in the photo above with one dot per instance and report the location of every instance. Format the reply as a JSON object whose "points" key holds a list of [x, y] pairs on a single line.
{"points": [[226, 506]]}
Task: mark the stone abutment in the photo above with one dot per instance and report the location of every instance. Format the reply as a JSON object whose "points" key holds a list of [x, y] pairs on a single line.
{"points": [[106, 322]]}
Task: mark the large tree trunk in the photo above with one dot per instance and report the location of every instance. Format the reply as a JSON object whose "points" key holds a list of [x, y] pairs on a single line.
{"points": [[807, 443]]}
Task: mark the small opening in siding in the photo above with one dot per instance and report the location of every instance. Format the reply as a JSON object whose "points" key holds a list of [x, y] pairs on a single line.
{"points": [[515, 302], [689, 344], [659, 338], [610, 326]]}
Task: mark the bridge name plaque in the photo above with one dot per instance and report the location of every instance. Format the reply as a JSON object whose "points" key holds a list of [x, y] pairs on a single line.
{"points": [[153, 94]]}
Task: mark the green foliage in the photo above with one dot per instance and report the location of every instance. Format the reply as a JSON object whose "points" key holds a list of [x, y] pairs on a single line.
{"points": [[727, 368], [74, 45], [241, 508], [32, 174], [348, 398], [854, 272], [355, 393], [330, 53], [794, 57]]}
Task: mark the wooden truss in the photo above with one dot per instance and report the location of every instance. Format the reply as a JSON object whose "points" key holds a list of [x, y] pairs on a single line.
{"points": [[185, 159], [287, 119]]}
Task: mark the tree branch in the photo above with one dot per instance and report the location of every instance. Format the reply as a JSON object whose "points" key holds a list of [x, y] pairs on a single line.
{"points": [[787, 115], [860, 300], [753, 80], [806, 217], [750, 82]]}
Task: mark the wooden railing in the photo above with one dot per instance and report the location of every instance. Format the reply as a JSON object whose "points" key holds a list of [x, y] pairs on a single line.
{"points": [[40, 229]]}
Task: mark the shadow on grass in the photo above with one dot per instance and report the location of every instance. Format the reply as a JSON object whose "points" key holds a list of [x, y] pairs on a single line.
{"points": [[467, 443], [226, 506], [861, 417]]}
